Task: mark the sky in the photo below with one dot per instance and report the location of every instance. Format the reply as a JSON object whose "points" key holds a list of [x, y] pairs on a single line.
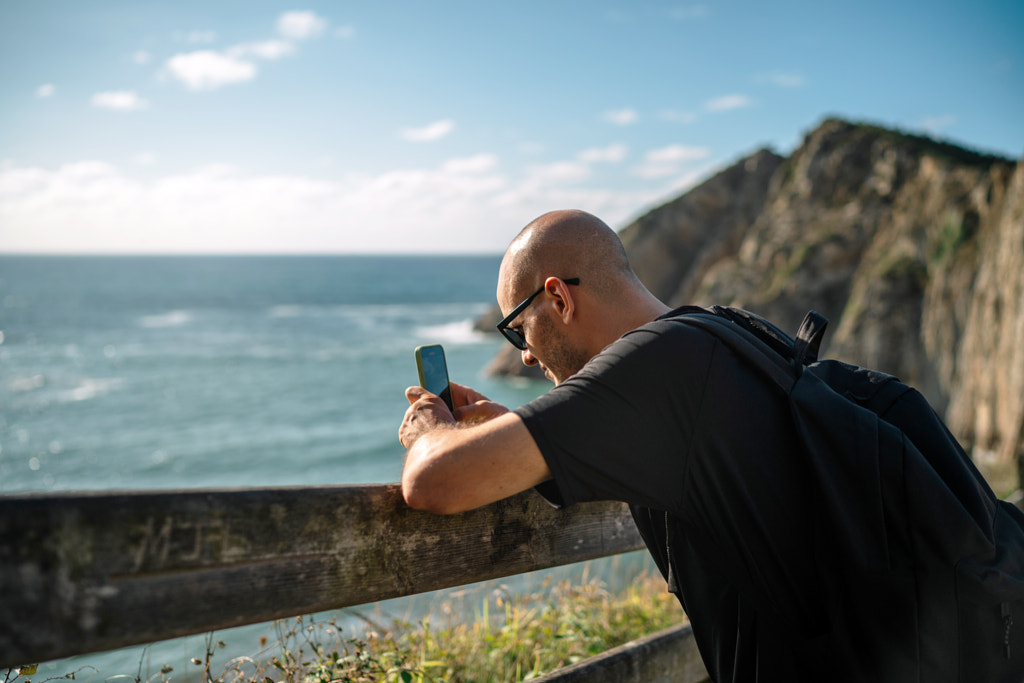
{"points": [[444, 127]]}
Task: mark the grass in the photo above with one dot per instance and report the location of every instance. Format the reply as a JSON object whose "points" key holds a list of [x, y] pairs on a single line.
{"points": [[510, 638]]}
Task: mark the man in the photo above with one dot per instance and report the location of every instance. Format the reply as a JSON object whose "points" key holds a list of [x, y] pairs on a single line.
{"points": [[563, 326], [645, 411], [635, 416]]}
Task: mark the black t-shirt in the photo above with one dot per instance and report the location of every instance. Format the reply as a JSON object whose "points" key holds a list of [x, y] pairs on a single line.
{"points": [[669, 420]]}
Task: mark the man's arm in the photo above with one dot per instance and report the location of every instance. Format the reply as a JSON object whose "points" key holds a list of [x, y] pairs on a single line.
{"points": [[458, 462]]}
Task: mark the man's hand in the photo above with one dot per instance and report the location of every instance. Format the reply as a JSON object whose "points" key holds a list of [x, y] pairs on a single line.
{"points": [[472, 407], [427, 412], [462, 459]]}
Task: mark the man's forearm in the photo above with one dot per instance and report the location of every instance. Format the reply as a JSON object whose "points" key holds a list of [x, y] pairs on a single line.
{"points": [[452, 469]]}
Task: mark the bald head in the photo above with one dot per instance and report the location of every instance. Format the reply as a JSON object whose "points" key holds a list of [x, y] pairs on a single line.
{"points": [[566, 244], [567, 326]]}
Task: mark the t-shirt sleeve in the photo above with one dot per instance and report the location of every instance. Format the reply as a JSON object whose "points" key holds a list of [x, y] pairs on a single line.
{"points": [[621, 428]]}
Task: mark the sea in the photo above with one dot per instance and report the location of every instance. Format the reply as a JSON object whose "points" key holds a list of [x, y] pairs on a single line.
{"points": [[177, 372]]}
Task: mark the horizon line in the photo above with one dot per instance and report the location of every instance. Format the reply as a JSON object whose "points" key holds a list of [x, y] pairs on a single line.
{"points": [[244, 254]]}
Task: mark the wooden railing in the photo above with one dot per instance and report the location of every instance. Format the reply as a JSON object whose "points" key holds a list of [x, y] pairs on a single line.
{"points": [[87, 572]]}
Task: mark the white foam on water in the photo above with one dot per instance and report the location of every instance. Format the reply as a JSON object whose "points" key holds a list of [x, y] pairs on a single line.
{"points": [[458, 332], [31, 383], [169, 319], [90, 387]]}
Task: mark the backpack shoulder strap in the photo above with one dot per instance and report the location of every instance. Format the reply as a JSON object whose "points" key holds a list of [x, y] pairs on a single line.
{"points": [[779, 341], [803, 350], [748, 345]]}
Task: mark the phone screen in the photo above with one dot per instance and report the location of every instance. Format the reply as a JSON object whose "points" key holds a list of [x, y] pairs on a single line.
{"points": [[433, 371]]}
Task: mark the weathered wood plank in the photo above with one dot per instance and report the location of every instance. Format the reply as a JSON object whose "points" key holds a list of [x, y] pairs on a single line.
{"points": [[668, 656], [95, 571]]}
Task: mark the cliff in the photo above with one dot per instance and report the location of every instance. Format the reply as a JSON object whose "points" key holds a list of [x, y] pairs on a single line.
{"points": [[913, 248]]}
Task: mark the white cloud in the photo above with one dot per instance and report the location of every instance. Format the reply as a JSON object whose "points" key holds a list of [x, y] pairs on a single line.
{"points": [[781, 79], [427, 188], [668, 161], [610, 154], [462, 205], [344, 32], [677, 154], [144, 159], [208, 70], [201, 36], [300, 25], [120, 100], [621, 117], [430, 132], [934, 124], [474, 164], [141, 57], [728, 102], [266, 49], [93, 207], [45, 90]]}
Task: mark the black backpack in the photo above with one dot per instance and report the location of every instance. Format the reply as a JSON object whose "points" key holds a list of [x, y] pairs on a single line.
{"points": [[924, 565]]}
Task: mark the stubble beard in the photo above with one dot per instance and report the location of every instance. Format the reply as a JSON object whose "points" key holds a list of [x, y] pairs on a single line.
{"points": [[562, 359]]}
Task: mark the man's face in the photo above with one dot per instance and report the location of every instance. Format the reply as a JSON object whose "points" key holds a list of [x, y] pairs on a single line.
{"points": [[549, 342], [553, 348]]}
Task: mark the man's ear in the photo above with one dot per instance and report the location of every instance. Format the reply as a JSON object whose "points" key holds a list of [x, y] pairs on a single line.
{"points": [[562, 297]]}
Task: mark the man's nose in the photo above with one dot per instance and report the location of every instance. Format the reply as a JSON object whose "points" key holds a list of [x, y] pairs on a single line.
{"points": [[528, 358]]}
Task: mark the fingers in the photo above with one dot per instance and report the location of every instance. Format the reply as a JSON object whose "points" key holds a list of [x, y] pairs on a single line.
{"points": [[414, 425], [413, 394], [464, 396], [461, 394], [426, 413], [480, 411]]}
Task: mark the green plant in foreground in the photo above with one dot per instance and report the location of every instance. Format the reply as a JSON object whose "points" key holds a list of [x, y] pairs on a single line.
{"points": [[511, 638], [533, 635]]}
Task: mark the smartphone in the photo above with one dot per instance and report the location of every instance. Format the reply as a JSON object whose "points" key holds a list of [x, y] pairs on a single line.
{"points": [[433, 371]]}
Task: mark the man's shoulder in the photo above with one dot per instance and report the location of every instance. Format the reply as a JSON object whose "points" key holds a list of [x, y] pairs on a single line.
{"points": [[667, 339], [670, 324], [689, 309]]}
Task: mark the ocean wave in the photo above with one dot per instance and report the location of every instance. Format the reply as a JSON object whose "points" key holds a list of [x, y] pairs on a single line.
{"points": [[370, 311], [169, 319], [31, 383], [89, 387], [458, 332], [359, 324]]}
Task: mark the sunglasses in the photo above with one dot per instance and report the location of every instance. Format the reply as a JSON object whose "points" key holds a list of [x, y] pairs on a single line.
{"points": [[515, 337]]}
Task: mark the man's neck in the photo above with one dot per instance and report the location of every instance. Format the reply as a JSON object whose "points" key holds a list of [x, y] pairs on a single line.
{"points": [[636, 313]]}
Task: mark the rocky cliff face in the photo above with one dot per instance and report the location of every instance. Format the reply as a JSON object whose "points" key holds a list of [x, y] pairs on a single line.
{"points": [[913, 249], [673, 248]]}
